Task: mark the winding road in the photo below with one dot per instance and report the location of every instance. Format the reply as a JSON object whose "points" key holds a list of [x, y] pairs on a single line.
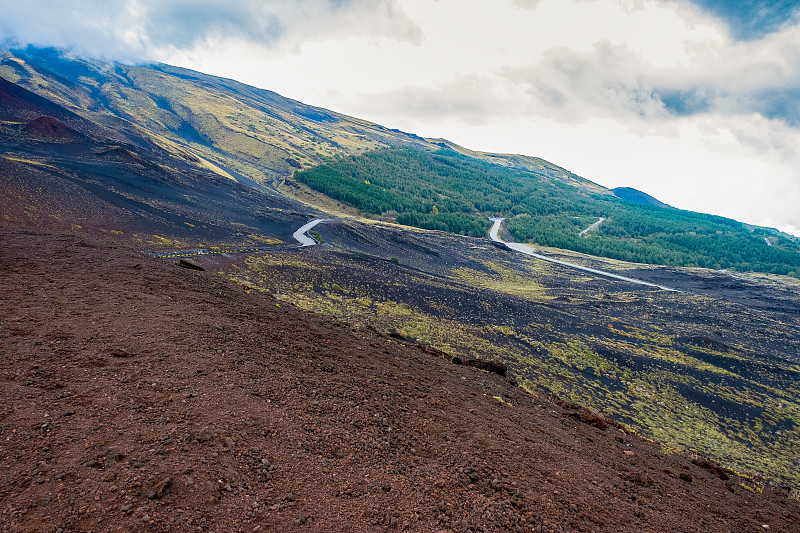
{"points": [[527, 250], [301, 235]]}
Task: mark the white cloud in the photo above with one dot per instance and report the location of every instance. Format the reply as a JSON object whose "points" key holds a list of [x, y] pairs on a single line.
{"points": [[152, 28], [652, 94]]}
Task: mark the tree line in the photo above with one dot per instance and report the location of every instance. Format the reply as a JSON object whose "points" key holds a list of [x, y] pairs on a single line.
{"points": [[447, 191]]}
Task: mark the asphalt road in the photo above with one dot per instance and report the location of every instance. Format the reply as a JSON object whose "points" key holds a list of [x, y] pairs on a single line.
{"points": [[527, 250], [301, 235]]}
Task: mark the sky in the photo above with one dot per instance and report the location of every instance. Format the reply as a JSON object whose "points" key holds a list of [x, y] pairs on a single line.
{"points": [[696, 102]]}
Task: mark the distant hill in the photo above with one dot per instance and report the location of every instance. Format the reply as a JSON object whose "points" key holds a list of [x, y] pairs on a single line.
{"points": [[180, 119], [255, 134], [636, 196], [450, 191]]}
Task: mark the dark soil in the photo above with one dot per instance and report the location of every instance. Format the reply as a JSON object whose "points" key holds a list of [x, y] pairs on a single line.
{"points": [[140, 396]]}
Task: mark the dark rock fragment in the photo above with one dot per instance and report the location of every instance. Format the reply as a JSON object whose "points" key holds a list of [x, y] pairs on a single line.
{"points": [[722, 473], [588, 417], [105, 458], [489, 366], [183, 263]]}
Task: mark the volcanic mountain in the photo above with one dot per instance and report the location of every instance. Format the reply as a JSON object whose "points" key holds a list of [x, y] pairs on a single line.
{"points": [[391, 378], [632, 195], [261, 135]]}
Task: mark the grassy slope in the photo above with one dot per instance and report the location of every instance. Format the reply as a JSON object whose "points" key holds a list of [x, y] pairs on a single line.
{"points": [[256, 133]]}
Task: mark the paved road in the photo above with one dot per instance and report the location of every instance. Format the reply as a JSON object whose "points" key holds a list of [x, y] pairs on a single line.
{"points": [[593, 226], [527, 250], [301, 235]]}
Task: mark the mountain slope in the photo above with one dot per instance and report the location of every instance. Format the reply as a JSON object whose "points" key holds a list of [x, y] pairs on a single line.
{"points": [[633, 195], [256, 133], [446, 190], [713, 370], [142, 396], [63, 170], [259, 139]]}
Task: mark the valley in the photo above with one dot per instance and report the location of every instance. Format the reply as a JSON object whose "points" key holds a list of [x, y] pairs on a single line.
{"points": [[678, 365]]}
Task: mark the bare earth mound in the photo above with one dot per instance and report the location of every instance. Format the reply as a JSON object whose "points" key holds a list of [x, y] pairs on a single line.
{"points": [[139, 396]]}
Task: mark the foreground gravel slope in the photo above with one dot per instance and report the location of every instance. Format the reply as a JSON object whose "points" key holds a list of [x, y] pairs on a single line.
{"points": [[137, 395]]}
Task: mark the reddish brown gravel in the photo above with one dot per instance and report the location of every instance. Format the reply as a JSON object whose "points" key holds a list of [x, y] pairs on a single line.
{"points": [[140, 396]]}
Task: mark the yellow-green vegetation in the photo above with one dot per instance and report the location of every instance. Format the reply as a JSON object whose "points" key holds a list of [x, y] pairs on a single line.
{"points": [[577, 355], [503, 401], [351, 303], [636, 369], [661, 353], [653, 336], [160, 241], [264, 239], [448, 336], [217, 124], [507, 280]]}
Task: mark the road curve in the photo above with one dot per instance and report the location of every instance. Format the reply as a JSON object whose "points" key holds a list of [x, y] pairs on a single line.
{"points": [[301, 234], [527, 250]]}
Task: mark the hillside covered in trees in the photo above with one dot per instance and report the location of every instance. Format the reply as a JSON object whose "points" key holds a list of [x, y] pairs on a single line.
{"points": [[448, 191]]}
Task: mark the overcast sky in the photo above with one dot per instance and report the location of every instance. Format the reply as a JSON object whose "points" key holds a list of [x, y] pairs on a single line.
{"points": [[696, 102]]}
